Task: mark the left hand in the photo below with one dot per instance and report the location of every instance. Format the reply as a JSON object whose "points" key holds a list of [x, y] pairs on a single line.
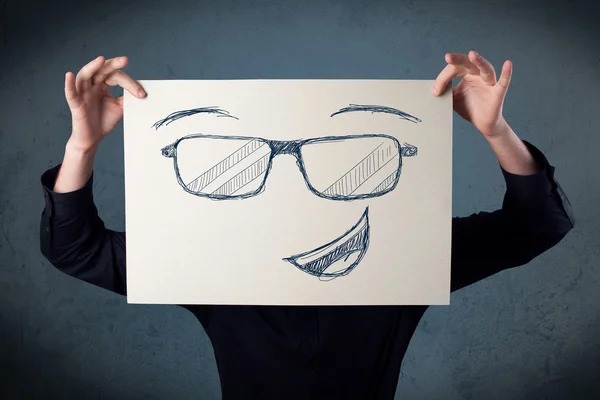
{"points": [[478, 98]]}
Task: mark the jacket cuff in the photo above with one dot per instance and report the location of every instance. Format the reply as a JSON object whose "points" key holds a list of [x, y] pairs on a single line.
{"points": [[528, 187], [66, 204]]}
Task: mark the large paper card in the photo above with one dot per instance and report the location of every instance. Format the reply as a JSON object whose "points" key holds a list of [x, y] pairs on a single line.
{"points": [[288, 192]]}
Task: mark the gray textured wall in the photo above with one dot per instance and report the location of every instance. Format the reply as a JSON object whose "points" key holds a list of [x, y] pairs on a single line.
{"points": [[528, 333]]}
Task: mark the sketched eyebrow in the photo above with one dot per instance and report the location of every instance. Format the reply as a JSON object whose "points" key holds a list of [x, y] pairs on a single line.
{"points": [[174, 116], [377, 109]]}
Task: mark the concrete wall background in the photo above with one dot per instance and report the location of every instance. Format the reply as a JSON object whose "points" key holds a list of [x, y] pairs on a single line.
{"points": [[528, 333]]}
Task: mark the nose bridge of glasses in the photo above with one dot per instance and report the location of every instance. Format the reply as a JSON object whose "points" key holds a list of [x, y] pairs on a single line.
{"points": [[285, 147]]}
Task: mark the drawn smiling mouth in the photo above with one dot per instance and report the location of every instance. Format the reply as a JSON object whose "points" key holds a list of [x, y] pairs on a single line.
{"points": [[338, 257]]}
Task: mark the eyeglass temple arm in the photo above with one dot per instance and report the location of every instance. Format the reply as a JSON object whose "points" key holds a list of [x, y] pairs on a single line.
{"points": [[168, 151], [408, 150]]}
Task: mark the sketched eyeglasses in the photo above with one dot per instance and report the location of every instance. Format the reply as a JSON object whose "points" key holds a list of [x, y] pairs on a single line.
{"points": [[340, 168]]}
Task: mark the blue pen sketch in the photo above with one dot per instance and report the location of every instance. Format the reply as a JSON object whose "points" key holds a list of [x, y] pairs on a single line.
{"points": [[377, 109], [342, 168], [174, 116], [338, 257], [242, 171]]}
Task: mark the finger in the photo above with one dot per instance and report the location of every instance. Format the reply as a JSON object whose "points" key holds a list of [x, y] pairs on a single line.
{"points": [[109, 66], [445, 77], [504, 80], [462, 60], [85, 74], [120, 101], [71, 95], [120, 78], [486, 70]]}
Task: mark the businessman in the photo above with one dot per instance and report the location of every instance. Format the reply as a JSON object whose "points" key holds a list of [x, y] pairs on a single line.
{"points": [[309, 352]]}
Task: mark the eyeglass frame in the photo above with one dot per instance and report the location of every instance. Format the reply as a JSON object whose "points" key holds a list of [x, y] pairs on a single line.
{"points": [[292, 147]]}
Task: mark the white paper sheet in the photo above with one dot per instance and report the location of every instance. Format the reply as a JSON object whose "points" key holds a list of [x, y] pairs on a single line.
{"points": [[288, 192]]}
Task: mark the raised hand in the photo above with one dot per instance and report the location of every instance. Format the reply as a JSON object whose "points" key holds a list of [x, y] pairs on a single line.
{"points": [[478, 98], [94, 111], [94, 114]]}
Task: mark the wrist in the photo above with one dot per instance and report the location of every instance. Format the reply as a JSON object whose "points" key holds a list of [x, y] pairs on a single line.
{"points": [[76, 168], [512, 154], [76, 150], [500, 131]]}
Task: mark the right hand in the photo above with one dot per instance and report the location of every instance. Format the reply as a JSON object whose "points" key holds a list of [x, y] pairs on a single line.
{"points": [[94, 111], [479, 97]]}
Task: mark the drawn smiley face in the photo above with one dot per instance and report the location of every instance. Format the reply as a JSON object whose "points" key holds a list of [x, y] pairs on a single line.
{"points": [[370, 167]]}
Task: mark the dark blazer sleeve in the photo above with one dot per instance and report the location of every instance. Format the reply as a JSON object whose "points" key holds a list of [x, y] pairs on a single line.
{"points": [[74, 239], [535, 216]]}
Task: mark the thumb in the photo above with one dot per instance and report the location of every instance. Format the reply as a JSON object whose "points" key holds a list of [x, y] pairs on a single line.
{"points": [[504, 80]]}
